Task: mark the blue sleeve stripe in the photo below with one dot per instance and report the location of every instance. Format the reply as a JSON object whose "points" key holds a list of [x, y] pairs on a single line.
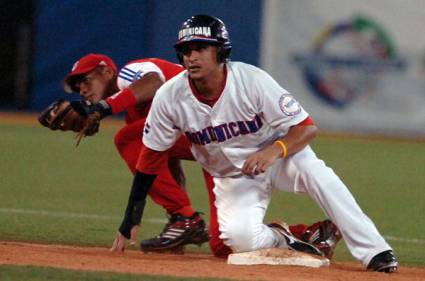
{"points": [[131, 76], [125, 78], [125, 69]]}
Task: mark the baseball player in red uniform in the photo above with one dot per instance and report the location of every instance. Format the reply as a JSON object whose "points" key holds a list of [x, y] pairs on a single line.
{"points": [[131, 89], [96, 79], [251, 135]]}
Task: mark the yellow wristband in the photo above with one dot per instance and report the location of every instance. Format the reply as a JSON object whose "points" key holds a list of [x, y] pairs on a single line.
{"points": [[283, 145]]}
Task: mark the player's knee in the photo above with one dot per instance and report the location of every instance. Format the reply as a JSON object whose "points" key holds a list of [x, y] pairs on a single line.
{"points": [[238, 235], [120, 140]]}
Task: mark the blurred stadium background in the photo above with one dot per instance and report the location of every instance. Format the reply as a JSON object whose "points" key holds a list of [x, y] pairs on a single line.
{"points": [[357, 66]]}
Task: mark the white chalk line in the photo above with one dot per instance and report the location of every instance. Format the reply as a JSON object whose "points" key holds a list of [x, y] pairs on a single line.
{"points": [[404, 240], [150, 220]]}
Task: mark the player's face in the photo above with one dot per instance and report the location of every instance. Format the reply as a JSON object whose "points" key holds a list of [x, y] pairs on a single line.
{"points": [[93, 85], [199, 59]]}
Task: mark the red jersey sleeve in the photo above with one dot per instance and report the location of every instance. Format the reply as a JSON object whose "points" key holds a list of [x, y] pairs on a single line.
{"points": [[307, 121]]}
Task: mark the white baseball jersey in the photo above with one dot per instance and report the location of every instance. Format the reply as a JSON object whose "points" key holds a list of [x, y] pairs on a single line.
{"points": [[135, 70], [252, 112]]}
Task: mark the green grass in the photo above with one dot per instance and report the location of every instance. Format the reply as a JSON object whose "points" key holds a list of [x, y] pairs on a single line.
{"points": [[31, 273], [386, 178], [52, 192]]}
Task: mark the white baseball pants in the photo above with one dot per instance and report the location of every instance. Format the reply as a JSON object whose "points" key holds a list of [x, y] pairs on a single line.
{"points": [[242, 201]]}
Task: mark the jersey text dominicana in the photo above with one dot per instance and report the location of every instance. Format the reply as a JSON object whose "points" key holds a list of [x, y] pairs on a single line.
{"points": [[252, 112]]}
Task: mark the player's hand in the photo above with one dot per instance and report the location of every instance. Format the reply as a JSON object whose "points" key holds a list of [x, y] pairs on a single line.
{"points": [[86, 108], [133, 233], [120, 241], [261, 160]]}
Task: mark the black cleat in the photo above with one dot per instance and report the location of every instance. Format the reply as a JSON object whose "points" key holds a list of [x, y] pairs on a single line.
{"points": [[199, 236], [383, 262], [293, 242], [178, 232], [324, 235]]}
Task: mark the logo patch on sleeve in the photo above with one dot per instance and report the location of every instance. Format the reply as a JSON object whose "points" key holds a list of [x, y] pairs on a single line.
{"points": [[289, 105], [146, 129]]}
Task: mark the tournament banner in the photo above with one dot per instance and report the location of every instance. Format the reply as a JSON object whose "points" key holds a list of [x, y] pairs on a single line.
{"points": [[355, 66]]}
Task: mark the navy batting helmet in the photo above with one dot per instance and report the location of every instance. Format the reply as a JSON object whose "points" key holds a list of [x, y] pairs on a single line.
{"points": [[208, 29]]}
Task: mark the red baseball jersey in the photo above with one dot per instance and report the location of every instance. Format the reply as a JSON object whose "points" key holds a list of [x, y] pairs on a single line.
{"points": [[135, 70]]}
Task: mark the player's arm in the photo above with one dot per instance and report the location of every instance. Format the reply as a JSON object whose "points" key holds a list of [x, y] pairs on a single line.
{"points": [[149, 165], [139, 92], [159, 135], [285, 114], [138, 83], [153, 161], [297, 138], [145, 88]]}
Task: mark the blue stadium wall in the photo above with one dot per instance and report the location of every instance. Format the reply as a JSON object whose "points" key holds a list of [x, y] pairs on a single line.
{"points": [[126, 30]]}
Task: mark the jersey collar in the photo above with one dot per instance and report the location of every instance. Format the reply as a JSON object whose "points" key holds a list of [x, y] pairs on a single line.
{"points": [[201, 98]]}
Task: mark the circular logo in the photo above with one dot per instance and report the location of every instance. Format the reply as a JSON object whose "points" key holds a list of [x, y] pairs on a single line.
{"points": [[347, 59], [289, 105]]}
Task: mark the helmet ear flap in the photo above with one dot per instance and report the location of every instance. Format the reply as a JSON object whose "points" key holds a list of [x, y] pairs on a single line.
{"points": [[220, 54], [223, 53], [180, 57]]}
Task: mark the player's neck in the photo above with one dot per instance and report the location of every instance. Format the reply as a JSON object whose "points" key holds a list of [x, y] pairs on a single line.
{"points": [[211, 86], [112, 88]]}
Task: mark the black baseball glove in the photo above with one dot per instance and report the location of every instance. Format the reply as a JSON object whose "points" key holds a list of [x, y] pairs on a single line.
{"points": [[81, 117], [61, 116]]}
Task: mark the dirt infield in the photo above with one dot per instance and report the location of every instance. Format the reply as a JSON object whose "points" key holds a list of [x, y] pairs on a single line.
{"points": [[187, 265]]}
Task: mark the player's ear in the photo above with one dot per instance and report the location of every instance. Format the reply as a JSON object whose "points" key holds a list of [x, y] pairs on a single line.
{"points": [[108, 72]]}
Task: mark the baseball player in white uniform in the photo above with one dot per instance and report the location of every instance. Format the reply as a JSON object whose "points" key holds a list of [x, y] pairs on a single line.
{"points": [[251, 135]]}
